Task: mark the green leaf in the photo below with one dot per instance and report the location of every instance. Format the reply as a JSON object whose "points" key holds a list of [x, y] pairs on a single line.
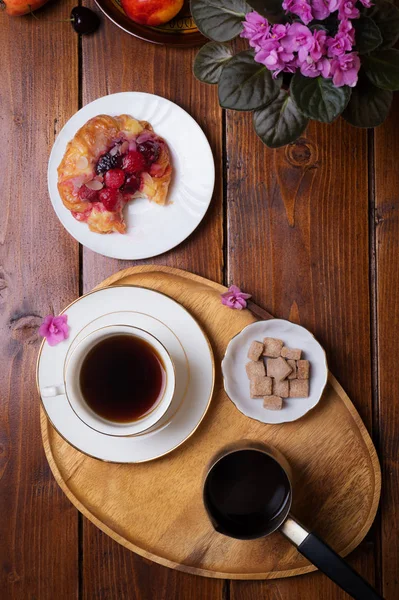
{"points": [[280, 122], [210, 60], [386, 16], [271, 9], [219, 20], [317, 98], [367, 35], [369, 105], [245, 84], [382, 68]]}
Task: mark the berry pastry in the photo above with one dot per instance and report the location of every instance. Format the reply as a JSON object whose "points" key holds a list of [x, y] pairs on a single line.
{"points": [[110, 161]]}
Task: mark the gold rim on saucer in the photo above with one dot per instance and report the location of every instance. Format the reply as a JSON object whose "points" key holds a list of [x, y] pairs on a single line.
{"points": [[210, 394]]}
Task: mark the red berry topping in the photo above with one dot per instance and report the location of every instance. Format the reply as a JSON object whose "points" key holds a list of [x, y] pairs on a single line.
{"points": [[150, 150], [132, 184], [109, 197], [114, 178], [134, 162], [86, 193]]}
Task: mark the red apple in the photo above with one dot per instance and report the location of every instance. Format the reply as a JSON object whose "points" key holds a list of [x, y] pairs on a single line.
{"points": [[151, 12], [16, 8]]}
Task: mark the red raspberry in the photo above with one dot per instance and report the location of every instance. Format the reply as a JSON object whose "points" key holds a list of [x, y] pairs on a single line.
{"points": [[109, 197], [86, 193], [114, 178], [134, 162], [132, 184]]}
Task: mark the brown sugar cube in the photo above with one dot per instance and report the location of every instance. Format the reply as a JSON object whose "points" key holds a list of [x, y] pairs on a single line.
{"points": [[281, 388], [299, 388], [255, 369], [278, 368], [292, 353], [303, 367], [273, 402], [255, 350], [272, 347], [292, 364], [261, 386]]}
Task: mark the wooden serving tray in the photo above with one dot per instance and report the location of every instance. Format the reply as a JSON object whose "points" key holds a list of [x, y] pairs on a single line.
{"points": [[156, 510]]}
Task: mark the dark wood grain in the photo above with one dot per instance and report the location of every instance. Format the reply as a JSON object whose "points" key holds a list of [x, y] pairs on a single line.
{"points": [[114, 61], [298, 242], [38, 275], [387, 305]]}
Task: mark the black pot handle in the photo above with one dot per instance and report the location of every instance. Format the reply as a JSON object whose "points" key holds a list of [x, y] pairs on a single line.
{"points": [[328, 561]]}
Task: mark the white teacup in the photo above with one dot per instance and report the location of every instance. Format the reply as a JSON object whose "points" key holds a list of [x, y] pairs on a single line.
{"points": [[71, 388]]}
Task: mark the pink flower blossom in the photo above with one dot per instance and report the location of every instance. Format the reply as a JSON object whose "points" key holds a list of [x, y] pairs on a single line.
{"points": [[318, 47], [54, 329], [343, 41], [314, 68], [301, 8], [348, 10], [278, 31], [255, 29], [367, 3], [274, 56], [344, 69], [299, 39], [235, 298], [345, 27], [320, 9]]}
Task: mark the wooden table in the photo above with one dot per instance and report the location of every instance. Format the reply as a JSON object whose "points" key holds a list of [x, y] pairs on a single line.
{"points": [[311, 231]]}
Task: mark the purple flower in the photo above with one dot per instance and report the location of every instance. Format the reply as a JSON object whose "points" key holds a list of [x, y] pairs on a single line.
{"points": [[333, 5], [279, 31], [314, 68], [343, 41], [367, 3], [348, 10], [299, 39], [255, 29], [344, 69], [347, 28], [275, 58], [289, 67], [320, 9], [235, 298], [318, 47], [54, 329], [301, 8]]}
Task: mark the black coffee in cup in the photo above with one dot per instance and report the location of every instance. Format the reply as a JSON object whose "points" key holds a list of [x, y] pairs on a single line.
{"points": [[122, 378]]}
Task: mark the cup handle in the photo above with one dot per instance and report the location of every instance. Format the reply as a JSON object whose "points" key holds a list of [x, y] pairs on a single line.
{"points": [[53, 390]]}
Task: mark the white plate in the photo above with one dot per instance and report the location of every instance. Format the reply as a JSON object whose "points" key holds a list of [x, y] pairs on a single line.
{"points": [[188, 346], [236, 381], [151, 229]]}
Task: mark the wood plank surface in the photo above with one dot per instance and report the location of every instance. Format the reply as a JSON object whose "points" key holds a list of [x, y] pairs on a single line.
{"points": [[38, 275], [387, 304], [298, 241], [297, 230], [114, 61]]}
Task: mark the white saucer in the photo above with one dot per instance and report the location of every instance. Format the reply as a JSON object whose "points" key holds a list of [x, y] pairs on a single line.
{"points": [[187, 344], [236, 382], [151, 229]]}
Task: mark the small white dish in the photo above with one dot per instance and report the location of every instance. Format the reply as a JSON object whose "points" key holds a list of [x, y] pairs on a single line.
{"points": [[191, 354], [151, 229], [71, 388], [236, 382]]}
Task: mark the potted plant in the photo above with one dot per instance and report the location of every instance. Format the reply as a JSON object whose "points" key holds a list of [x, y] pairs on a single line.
{"points": [[307, 60]]}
